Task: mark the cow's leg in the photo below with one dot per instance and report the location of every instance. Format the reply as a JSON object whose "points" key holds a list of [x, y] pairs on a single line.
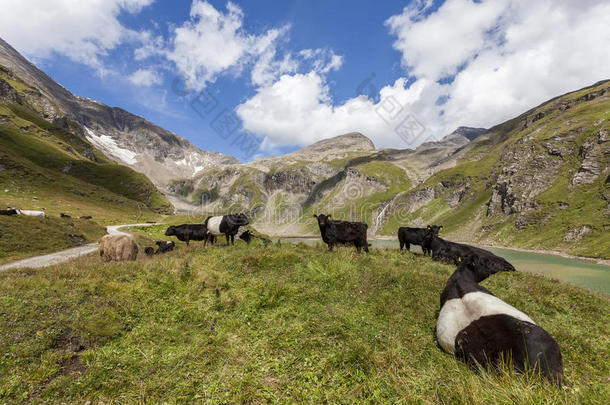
{"points": [[330, 247], [402, 245], [227, 236], [366, 247], [358, 248], [187, 241], [408, 245], [232, 240]]}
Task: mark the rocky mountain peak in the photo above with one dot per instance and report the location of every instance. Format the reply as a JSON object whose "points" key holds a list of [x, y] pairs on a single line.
{"points": [[469, 132], [352, 142], [121, 136]]}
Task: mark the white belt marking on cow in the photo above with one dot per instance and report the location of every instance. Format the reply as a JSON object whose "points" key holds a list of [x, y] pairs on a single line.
{"points": [[458, 313], [214, 226]]}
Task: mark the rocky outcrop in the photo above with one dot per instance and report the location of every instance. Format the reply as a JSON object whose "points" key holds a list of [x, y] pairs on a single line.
{"points": [[522, 172], [595, 156], [576, 234]]}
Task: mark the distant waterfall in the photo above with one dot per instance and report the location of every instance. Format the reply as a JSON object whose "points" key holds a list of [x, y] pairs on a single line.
{"points": [[379, 218]]}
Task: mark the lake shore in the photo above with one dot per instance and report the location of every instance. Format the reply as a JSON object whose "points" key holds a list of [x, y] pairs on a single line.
{"points": [[597, 260]]}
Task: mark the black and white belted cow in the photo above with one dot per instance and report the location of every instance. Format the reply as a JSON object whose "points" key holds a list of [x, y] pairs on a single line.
{"points": [[481, 329], [227, 225]]}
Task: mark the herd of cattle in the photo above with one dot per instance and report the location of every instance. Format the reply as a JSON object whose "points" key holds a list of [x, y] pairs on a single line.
{"points": [[35, 213], [473, 324]]}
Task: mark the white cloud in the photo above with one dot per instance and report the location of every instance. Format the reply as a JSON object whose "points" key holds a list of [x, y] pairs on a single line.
{"points": [[506, 55], [212, 42], [82, 30], [298, 110], [145, 77]]}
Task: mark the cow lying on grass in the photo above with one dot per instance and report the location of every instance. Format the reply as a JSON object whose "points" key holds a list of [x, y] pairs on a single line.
{"points": [[164, 246], [415, 236], [450, 252], [483, 330], [117, 248], [342, 232]]}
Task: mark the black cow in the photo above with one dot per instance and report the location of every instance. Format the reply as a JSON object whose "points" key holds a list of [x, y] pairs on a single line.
{"points": [[10, 211], [164, 246], [245, 235], [149, 251], [342, 232], [227, 225], [453, 252], [483, 330], [188, 232], [415, 236], [62, 215]]}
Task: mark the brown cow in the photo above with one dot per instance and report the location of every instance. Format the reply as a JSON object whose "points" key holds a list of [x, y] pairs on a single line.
{"points": [[118, 248]]}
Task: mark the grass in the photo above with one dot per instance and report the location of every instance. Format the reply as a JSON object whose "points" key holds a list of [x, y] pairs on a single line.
{"points": [[276, 324], [22, 236]]}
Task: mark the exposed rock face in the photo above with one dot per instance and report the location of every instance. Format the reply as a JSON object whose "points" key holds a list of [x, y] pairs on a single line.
{"points": [[524, 171], [122, 136], [595, 155], [577, 234], [454, 193], [470, 133]]}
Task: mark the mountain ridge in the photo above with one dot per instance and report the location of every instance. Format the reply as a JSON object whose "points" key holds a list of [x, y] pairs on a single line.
{"points": [[158, 153]]}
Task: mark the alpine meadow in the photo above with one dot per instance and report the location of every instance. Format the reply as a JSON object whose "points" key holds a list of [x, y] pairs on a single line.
{"points": [[211, 201]]}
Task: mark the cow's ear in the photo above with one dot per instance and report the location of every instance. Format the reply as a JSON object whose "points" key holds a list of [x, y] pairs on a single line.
{"points": [[440, 227], [315, 216], [429, 227], [328, 216]]}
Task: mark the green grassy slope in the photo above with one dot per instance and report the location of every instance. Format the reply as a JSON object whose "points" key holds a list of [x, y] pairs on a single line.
{"points": [[22, 236], [552, 140], [279, 324], [63, 171]]}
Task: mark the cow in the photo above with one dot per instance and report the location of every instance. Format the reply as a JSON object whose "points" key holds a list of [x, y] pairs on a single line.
{"points": [[451, 252], [415, 236], [188, 232], [10, 211], [164, 246], [342, 232], [62, 215], [482, 330], [227, 225], [245, 235], [118, 248], [149, 251], [31, 213]]}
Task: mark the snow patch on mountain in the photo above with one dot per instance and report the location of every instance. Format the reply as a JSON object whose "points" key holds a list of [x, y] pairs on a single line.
{"points": [[109, 146]]}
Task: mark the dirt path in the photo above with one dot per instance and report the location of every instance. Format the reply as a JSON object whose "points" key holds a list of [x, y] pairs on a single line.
{"points": [[65, 255]]}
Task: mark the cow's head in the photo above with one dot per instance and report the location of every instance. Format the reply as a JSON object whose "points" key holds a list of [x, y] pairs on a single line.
{"points": [[495, 264], [479, 267], [434, 229], [323, 220], [170, 231], [238, 219]]}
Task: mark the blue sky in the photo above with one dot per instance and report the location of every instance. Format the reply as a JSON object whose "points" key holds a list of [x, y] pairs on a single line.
{"points": [[294, 72]]}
